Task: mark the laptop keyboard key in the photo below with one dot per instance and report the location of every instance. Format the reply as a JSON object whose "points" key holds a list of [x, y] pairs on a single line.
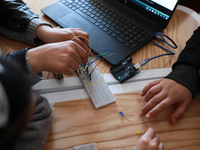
{"points": [[117, 26]]}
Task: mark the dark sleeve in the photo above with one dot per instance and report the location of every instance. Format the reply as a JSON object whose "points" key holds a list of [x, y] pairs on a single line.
{"points": [[191, 53], [19, 57], [186, 69], [187, 75], [15, 14]]}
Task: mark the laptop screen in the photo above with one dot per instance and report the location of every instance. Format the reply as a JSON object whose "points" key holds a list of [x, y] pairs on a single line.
{"points": [[160, 11], [161, 8]]}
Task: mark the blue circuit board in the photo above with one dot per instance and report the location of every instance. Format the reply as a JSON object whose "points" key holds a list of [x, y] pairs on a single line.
{"points": [[124, 71]]}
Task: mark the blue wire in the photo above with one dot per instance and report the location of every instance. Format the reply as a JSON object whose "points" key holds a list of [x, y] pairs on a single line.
{"points": [[93, 61], [163, 40]]}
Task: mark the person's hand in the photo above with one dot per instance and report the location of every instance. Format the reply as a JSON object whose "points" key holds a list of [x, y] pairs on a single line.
{"points": [[163, 93], [149, 141], [52, 35], [60, 57]]}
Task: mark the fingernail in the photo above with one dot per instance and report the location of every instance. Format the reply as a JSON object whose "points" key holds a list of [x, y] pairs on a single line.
{"points": [[148, 116], [141, 93], [174, 120], [141, 113]]}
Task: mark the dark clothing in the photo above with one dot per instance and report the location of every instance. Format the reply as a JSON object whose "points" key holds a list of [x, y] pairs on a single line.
{"points": [[19, 57], [186, 69], [17, 21], [15, 14]]}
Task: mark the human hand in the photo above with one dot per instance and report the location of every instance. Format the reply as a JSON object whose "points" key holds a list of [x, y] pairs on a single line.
{"points": [[163, 93], [61, 57], [149, 141], [52, 35]]}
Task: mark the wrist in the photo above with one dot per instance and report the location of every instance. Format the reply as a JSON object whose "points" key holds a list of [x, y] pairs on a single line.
{"points": [[33, 60], [42, 31]]}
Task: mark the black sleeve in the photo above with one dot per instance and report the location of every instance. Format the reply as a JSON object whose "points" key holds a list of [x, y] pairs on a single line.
{"points": [[186, 69], [15, 14], [191, 52], [19, 57], [187, 75]]}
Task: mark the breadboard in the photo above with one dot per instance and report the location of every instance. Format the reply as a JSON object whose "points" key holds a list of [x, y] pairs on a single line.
{"points": [[96, 87]]}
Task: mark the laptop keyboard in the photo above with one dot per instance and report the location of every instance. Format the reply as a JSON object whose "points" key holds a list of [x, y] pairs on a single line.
{"points": [[120, 28]]}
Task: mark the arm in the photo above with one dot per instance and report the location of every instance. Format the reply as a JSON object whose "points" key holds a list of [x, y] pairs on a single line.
{"points": [[61, 57], [19, 22], [20, 58], [179, 87], [22, 24], [16, 14]]}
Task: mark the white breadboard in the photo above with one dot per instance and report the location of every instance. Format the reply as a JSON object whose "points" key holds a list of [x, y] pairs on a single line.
{"points": [[96, 87]]}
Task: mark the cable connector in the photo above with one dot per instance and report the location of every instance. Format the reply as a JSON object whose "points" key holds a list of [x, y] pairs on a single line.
{"points": [[141, 64], [160, 38]]}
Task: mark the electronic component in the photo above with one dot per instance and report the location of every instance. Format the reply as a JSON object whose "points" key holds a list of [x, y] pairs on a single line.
{"points": [[91, 146], [124, 71], [59, 76], [138, 132], [96, 86]]}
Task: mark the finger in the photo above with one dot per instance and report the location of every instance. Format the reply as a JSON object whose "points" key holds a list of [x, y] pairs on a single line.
{"points": [[68, 71], [148, 86], [71, 67], [178, 113], [160, 146], [79, 32], [152, 103], [149, 133], [158, 108], [80, 51], [153, 91], [79, 29], [155, 141], [75, 56], [83, 55], [81, 43], [74, 65]]}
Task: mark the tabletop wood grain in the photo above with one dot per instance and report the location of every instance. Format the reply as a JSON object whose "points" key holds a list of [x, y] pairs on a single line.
{"points": [[77, 122]]}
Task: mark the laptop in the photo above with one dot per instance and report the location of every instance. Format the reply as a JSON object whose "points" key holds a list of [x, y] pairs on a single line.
{"points": [[117, 28]]}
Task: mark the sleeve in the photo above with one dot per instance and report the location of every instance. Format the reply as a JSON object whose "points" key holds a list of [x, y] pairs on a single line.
{"points": [[20, 58], [187, 75], [191, 53], [29, 35], [16, 15], [19, 22], [186, 69], [37, 132], [33, 77]]}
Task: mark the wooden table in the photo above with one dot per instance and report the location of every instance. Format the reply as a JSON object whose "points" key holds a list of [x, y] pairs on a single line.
{"points": [[77, 122], [179, 29]]}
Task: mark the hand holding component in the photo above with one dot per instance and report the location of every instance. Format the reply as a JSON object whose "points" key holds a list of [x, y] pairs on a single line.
{"points": [[61, 57], [149, 141], [163, 93]]}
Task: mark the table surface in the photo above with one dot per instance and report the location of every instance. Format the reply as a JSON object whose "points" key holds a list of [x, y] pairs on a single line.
{"points": [[77, 122]]}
